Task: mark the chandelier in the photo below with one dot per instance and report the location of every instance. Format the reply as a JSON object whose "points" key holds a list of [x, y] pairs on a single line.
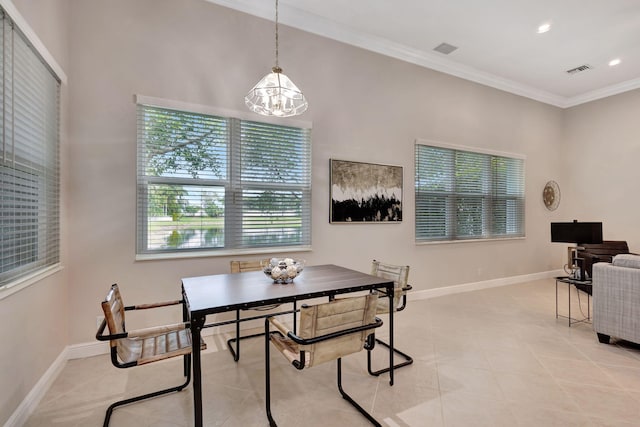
{"points": [[276, 94]]}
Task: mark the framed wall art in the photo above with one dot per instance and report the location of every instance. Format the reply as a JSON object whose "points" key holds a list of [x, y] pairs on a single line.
{"points": [[365, 192]]}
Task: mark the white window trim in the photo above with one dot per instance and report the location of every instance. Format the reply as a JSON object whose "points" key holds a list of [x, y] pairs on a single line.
{"points": [[31, 35], [10, 9], [470, 148], [435, 143], [214, 111], [220, 253], [233, 114], [449, 242], [28, 280]]}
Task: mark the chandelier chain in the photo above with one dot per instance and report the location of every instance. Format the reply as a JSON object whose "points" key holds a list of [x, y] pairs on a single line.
{"points": [[277, 65]]}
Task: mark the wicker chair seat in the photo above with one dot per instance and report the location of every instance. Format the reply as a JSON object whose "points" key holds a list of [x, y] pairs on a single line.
{"points": [[289, 349], [383, 301], [154, 346]]}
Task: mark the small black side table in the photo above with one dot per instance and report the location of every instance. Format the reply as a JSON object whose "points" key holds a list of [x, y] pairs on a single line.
{"points": [[569, 281]]}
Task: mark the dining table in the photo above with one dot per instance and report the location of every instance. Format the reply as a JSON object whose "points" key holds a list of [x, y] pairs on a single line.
{"points": [[219, 293]]}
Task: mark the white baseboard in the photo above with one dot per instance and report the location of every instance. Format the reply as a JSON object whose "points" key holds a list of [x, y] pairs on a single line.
{"points": [[82, 350], [87, 349], [486, 284], [32, 400]]}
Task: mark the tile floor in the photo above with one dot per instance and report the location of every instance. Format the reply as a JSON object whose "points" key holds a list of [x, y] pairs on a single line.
{"points": [[496, 357]]}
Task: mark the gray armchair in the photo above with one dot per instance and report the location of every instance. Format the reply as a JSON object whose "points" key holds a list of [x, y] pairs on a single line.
{"points": [[616, 298]]}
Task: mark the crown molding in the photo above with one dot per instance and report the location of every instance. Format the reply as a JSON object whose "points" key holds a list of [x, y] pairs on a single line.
{"points": [[318, 25], [603, 93]]}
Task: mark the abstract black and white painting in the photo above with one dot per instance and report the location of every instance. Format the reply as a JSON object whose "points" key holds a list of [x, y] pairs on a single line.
{"points": [[365, 192]]}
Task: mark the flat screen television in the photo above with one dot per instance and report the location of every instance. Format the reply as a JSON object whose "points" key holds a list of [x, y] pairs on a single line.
{"points": [[576, 232]]}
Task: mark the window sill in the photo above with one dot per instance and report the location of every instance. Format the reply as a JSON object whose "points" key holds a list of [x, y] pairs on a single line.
{"points": [[229, 252], [447, 242], [24, 282]]}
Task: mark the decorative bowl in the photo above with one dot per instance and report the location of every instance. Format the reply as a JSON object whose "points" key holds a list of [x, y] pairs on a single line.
{"points": [[283, 270]]}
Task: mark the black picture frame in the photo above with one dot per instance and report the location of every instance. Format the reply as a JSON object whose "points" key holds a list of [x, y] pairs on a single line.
{"points": [[365, 192]]}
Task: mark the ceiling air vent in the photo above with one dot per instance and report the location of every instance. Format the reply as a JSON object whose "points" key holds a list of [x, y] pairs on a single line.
{"points": [[445, 48], [579, 69]]}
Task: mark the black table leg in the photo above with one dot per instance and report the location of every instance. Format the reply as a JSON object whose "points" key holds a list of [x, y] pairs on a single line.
{"points": [[196, 327], [390, 292]]}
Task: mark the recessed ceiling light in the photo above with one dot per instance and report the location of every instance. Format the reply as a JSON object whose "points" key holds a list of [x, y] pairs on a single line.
{"points": [[544, 28], [614, 62]]}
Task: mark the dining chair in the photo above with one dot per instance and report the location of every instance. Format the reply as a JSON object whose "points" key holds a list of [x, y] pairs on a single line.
{"points": [[400, 276], [241, 267], [328, 331], [143, 346]]}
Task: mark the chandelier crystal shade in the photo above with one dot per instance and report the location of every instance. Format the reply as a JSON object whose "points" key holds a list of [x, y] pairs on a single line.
{"points": [[276, 94]]}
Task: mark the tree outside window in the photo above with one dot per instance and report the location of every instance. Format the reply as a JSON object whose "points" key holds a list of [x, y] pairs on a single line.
{"points": [[210, 182]]}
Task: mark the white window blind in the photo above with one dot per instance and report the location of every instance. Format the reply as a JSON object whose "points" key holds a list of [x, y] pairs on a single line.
{"points": [[219, 183], [462, 195], [29, 159]]}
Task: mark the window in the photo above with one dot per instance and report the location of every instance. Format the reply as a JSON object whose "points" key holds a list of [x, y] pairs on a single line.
{"points": [[29, 162], [465, 195], [208, 182]]}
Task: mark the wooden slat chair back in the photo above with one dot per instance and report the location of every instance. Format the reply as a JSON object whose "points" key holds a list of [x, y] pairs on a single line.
{"points": [[328, 331]]}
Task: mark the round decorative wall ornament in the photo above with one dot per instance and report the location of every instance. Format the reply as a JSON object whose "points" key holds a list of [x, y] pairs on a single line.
{"points": [[551, 195]]}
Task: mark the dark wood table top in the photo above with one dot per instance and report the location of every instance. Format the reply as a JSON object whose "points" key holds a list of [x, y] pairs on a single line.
{"points": [[224, 292]]}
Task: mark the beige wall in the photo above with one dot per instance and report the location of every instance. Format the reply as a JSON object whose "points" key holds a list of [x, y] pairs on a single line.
{"points": [[34, 328], [601, 154], [363, 106]]}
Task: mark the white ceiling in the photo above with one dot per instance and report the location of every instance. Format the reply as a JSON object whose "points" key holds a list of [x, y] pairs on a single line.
{"points": [[497, 40]]}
